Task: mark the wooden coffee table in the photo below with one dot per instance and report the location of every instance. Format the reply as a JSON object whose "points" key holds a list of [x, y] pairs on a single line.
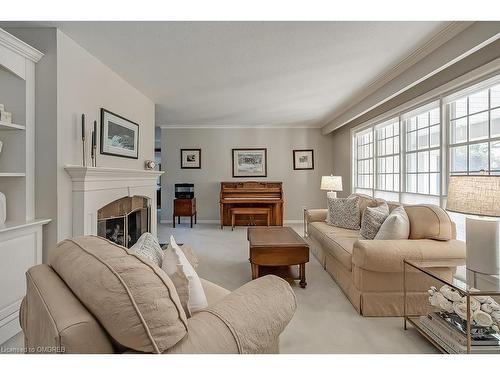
{"points": [[277, 250]]}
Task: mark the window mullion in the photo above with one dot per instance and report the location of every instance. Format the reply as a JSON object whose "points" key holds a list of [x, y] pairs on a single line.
{"points": [[489, 131], [374, 160], [445, 150], [402, 155]]}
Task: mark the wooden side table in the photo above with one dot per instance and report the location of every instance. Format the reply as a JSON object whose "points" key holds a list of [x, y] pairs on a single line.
{"points": [[184, 207]]}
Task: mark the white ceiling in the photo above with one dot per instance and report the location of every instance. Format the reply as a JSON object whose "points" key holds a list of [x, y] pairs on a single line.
{"points": [[250, 73]]}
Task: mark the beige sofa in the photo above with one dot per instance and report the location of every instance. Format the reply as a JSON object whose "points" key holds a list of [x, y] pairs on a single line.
{"points": [[370, 272], [124, 292]]}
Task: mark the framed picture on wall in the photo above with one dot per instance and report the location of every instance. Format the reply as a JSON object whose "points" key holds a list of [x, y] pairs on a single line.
{"points": [[191, 158], [303, 159], [249, 162], [119, 136]]}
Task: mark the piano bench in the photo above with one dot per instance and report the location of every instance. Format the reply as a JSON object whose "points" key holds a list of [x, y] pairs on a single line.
{"points": [[249, 211]]}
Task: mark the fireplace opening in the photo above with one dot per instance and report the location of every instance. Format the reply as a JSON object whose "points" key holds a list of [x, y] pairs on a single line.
{"points": [[124, 220]]}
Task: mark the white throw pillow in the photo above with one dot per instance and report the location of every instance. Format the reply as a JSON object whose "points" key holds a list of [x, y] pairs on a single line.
{"points": [[396, 226], [185, 278], [147, 246]]}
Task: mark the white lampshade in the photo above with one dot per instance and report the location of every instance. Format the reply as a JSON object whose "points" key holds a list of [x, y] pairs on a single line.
{"points": [[478, 195], [331, 183], [474, 195]]}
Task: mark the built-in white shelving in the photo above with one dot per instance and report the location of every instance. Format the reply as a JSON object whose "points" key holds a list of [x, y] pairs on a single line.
{"points": [[12, 174], [13, 225], [7, 126], [21, 234]]}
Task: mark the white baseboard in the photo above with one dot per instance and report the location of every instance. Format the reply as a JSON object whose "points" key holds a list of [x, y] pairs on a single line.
{"points": [[299, 221], [9, 326], [187, 221], [213, 221]]}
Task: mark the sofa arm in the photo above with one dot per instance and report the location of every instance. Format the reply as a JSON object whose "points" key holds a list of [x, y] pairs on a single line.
{"points": [[388, 255], [248, 320], [318, 214]]}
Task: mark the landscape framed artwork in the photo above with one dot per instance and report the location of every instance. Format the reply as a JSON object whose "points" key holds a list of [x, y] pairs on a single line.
{"points": [[249, 162], [191, 158], [303, 159], [119, 136]]}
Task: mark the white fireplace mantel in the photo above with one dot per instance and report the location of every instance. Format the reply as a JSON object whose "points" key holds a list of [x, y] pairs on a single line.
{"points": [[95, 187]]}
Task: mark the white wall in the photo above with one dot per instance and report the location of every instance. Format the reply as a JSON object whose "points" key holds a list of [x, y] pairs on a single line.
{"points": [[69, 82], [301, 188], [84, 85]]}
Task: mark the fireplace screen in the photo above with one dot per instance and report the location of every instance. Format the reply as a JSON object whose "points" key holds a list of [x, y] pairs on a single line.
{"points": [[124, 220]]}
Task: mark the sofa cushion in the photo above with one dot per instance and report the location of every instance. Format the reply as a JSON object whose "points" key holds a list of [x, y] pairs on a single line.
{"points": [[429, 221], [213, 292], [388, 255], [130, 296], [344, 212], [337, 242], [373, 218]]}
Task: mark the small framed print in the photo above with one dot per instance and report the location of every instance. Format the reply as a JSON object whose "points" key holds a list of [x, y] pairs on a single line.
{"points": [[191, 158], [249, 162], [303, 159]]}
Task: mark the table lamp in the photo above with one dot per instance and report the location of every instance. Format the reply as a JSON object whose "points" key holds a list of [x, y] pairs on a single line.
{"points": [[478, 195], [332, 184]]}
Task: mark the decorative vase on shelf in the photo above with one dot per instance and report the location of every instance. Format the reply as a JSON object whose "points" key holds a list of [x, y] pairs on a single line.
{"points": [[3, 208]]}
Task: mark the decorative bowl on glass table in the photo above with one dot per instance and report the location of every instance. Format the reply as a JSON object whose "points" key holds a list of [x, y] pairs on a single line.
{"points": [[460, 312]]}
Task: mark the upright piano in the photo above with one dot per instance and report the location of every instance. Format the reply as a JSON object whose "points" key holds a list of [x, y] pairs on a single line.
{"points": [[251, 194]]}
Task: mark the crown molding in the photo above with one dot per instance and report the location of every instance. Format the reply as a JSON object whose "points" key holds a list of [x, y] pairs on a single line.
{"points": [[445, 34], [226, 126], [18, 46], [448, 32], [486, 74]]}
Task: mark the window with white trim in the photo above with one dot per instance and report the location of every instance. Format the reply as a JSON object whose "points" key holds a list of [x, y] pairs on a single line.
{"points": [[402, 169], [387, 136], [364, 159], [422, 150], [410, 154], [474, 132]]}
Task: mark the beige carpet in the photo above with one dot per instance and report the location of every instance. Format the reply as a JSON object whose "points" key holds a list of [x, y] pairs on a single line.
{"points": [[325, 321]]}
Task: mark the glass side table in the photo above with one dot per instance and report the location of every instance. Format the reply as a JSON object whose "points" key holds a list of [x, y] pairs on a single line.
{"points": [[449, 324]]}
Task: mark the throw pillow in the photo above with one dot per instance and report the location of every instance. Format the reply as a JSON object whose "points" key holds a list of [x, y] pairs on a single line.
{"points": [[135, 301], [147, 246], [396, 226], [343, 212], [188, 252], [365, 201], [373, 218], [186, 280]]}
